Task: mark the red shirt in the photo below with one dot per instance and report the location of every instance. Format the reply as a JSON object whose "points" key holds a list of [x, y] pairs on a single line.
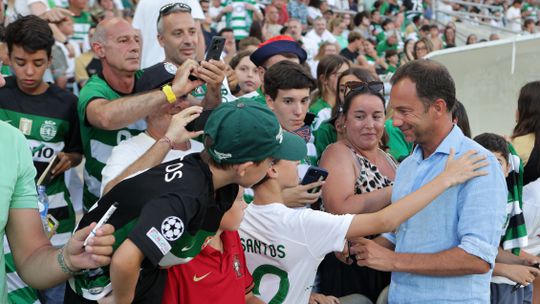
{"points": [[212, 276]]}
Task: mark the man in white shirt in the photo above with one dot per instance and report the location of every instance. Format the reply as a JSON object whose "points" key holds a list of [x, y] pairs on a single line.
{"points": [[318, 35], [159, 124]]}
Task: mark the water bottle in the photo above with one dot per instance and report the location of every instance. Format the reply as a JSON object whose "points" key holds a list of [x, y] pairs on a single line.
{"points": [[43, 206]]}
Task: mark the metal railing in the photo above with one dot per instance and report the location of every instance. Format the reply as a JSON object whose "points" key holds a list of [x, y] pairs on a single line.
{"points": [[472, 17]]}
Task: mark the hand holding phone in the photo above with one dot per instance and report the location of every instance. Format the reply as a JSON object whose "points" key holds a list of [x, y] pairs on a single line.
{"points": [[314, 174], [214, 51]]}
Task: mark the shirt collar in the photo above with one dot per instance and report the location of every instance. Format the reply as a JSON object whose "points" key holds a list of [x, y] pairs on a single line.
{"points": [[452, 140]]}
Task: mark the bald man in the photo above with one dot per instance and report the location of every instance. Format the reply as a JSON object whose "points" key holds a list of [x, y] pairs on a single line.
{"points": [[108, 110]]}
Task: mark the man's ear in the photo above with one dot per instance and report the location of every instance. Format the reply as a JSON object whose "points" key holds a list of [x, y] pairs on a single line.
{"points": [[98, 49], [160, 39], [440, 107], [269, 101], [272, 172], [242, 168]]}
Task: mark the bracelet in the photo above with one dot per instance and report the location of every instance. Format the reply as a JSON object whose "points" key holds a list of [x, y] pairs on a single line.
{"points": [[167, 140], [63, 265], [167, 89]]}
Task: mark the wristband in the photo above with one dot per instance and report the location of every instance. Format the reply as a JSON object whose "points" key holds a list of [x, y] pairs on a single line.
{"points": [[167, 89], [63, 265], [167, 140]]}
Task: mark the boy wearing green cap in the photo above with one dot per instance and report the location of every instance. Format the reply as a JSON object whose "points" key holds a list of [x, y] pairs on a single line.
{"points": [[166, 214]]}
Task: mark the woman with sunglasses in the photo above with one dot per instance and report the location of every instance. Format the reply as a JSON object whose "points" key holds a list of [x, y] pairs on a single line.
{"points": [[331, 131], [359, 181]]}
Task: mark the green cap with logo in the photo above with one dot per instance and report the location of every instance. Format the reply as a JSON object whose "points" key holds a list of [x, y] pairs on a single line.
{"points": [[244, 130]]}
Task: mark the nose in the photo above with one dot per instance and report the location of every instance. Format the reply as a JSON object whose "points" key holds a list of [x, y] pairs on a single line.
{"points": [[397, 120], [369, 123], [29, 69], [188, 40], [297, 108]]}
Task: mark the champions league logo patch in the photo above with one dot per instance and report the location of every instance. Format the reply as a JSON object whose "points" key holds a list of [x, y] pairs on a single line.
{"points": [[169, 67], [172, 228], [48, 130]]}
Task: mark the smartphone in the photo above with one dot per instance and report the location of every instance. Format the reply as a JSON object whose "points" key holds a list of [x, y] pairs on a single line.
{"points": [[213, 52], [46, 177], [215, 48], [314, 174]]}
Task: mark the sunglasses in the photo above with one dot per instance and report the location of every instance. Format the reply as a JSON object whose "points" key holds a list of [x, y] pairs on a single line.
{"points": [[171, 8], [376, 87]]}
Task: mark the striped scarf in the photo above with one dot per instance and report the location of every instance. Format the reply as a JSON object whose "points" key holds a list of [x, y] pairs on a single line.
{"points": [[515, 232]]}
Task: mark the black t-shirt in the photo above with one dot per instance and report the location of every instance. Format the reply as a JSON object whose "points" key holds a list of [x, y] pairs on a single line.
{"points": [[94, 67], [168, 212], [49, 120], [156, 76], [349, 55]]}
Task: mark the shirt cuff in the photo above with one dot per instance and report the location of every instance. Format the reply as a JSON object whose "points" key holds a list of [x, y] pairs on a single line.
{"points": [[390, 236], [479, 248]]}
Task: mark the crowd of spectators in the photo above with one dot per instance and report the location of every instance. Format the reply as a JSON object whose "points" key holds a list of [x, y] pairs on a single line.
{"points": [[413, 209]]}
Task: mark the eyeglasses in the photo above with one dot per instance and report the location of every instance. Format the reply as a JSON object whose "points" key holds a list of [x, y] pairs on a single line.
{"points": [[358, 86], [173, 7]]}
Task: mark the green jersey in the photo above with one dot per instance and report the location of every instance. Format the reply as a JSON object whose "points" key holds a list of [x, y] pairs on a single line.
{"points": [[322, 111], [81, 27], [98, 143], [325, 135], [240, 18]]}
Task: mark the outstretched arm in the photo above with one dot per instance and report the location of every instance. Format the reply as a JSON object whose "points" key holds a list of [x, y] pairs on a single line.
{"points": [[36, 259], [388, 219], [116, 114], [176, 133]]}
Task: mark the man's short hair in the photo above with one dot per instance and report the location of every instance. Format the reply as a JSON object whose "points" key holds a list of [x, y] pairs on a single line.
{"points": [[175, 8], [425, 28], [432, 81], [248, 41], [390, 53], [31, 33], [225, 30], [287, 75], [357, 20], [494, 143], [353, 36]]}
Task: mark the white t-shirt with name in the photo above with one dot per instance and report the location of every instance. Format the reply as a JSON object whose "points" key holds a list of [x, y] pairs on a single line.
{"points": [[284, 247]]}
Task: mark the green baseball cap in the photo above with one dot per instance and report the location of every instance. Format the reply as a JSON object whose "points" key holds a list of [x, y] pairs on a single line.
{"points": [[245, 130]]}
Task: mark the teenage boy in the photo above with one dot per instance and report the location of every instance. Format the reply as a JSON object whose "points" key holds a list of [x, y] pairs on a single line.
{"points": [[511, 267], [272, 51], [47, 116], [287, 88], [219, 273], [284, 246], [166, 214]]}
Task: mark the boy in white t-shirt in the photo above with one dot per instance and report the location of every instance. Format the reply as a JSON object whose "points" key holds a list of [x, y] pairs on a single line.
{"points": [[284, 246]]}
